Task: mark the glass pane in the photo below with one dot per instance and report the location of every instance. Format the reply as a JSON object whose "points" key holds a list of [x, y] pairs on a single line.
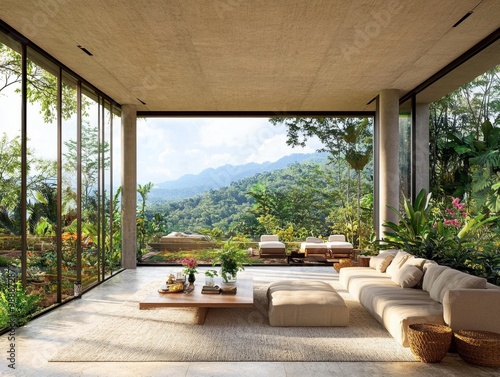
{"points": [[90, 187], [116, 240], [405, 151], [69, 160], [10, 164], [42, 177]]}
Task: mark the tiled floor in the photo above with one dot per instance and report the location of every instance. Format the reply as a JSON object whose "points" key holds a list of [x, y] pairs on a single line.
{"points": [[41, 338]]}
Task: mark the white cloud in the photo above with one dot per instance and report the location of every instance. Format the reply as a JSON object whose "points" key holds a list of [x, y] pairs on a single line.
{"points": [[170, 148]]}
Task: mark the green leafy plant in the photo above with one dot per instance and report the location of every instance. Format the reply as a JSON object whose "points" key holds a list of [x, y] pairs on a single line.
{"points": [[231, 260], [211, 273], [16, 305]]}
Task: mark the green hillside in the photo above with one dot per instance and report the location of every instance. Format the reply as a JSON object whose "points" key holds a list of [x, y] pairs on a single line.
{"points": [[303, 199]]}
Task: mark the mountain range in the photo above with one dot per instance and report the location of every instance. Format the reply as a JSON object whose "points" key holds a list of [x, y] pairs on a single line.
{"points": [[190, 185]]}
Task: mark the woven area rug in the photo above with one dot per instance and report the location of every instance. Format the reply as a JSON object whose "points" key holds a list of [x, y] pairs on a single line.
{"points": [[239, 334]]}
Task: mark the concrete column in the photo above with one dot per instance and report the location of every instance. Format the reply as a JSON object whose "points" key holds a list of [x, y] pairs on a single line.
{"points": [[422, 148], [388, 157], [129, 186]]}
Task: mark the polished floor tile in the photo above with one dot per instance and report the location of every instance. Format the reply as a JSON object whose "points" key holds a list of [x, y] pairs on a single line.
{"points": [[37, 342]]}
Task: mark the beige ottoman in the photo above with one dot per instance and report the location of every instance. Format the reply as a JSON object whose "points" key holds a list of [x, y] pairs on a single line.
{"points": [[306, 303]]}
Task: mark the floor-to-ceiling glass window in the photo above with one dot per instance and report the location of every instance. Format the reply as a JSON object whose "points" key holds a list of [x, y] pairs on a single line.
{"points": [[69, 204], [59, 218], [41, 188], [405, 150], [91, 211], [10, 167]]}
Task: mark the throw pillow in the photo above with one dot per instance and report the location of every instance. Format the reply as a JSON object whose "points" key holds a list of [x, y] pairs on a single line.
{"points": [[431, 273], [398, 262], [417, 262], [454, 279], [407, 276], [377, 259]]}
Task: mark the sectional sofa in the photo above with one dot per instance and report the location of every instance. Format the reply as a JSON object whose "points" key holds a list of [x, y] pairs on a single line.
{"points": [[399, 289]]}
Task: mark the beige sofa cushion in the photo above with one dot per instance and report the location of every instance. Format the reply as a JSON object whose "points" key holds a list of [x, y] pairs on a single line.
{"points": [[431, 273], [305, 303], [398, 262], [396, 308], [383, 260], [453, 279], [417, 262], [407, 276]]}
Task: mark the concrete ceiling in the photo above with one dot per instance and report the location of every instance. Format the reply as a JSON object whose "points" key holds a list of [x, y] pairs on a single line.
{"points": [[256, 55]]}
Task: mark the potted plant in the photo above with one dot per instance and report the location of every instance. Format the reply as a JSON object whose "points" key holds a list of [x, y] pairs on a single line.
{"points": [[231, 259], [209, 277]]}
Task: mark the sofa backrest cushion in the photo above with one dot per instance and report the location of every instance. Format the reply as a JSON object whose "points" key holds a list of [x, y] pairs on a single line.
{"points": [[268, 238], [398, 262], [454, 279], [383, 260], [407, 276], [314, 240], [431, 273], [336, 238]]}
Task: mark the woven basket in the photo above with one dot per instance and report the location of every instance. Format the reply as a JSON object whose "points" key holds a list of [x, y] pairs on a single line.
{"points": [[429, 342], [479, 347]]}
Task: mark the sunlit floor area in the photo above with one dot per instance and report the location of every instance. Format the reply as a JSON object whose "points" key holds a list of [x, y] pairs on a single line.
{"points": [[39, 341]]}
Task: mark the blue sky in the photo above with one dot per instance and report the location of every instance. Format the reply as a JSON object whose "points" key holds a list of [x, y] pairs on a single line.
{"points": [[170, 148]]}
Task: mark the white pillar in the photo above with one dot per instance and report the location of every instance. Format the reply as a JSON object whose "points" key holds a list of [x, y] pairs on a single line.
{"points": [[388, 158], [129, 185], [422, 148]]}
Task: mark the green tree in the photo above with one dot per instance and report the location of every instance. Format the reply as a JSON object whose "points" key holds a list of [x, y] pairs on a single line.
{"points": [[142, 220], [91, 162], [40, 171], [345, 139]]}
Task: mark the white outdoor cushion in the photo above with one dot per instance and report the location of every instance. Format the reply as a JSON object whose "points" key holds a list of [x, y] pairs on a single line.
{"points": [[454, 279], [271, 245], [397, 262], [407, 276], [314, 240], [336, 238], [269, 237]]}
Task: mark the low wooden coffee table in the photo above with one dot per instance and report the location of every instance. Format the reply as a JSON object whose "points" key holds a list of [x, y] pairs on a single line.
{"points": [[242, 299]]}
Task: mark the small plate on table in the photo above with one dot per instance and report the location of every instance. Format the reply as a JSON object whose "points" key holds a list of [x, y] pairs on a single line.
{"points": [[172, 288]]}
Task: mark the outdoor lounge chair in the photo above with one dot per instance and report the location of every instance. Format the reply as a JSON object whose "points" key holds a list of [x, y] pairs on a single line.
{"points": [[338, 247], [314, 247], [271, 247]]}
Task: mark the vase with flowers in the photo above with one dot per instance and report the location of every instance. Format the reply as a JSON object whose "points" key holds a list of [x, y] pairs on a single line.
{"points": [[190, 265], [231, 260]]}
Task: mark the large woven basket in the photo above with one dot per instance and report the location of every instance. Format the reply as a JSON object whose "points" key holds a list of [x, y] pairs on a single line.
{"points": [[429, 342], [479, 347]]}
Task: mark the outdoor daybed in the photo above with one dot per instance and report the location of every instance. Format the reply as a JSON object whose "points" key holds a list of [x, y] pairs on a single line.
{"points": [[314, 247], [399, 289], [338, 247], [271, 247], [176, 241]]}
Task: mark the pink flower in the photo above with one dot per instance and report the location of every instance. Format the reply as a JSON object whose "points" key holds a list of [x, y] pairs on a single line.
{"points": [[456, 202], [447, 222], [189, 263], [449, 211], [464, 214]]}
